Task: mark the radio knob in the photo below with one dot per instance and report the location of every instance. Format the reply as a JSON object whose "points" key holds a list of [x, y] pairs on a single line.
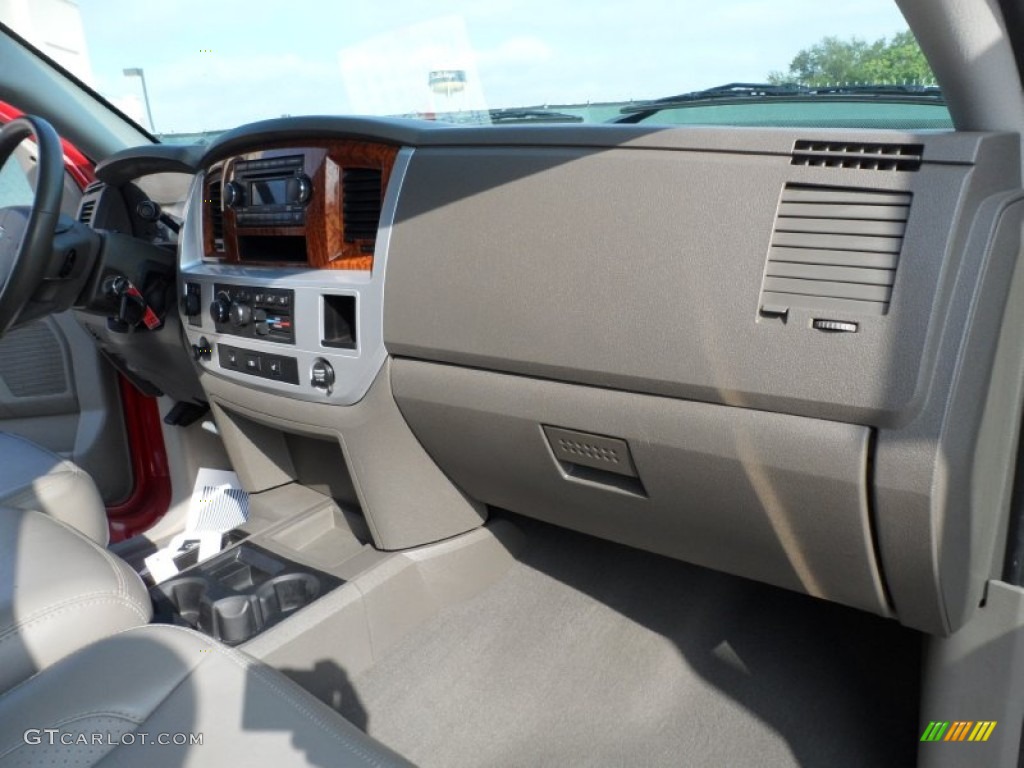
{"points": [[241, 314], [234, 194], [304, 188], [220, 309]]}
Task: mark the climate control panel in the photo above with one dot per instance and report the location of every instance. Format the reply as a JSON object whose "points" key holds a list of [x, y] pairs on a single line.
{"points": [[254, 313]]}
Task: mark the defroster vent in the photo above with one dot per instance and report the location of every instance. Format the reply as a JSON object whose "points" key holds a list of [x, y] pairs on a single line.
{"points": [[361, 203], [834, 249], [864, 156]]}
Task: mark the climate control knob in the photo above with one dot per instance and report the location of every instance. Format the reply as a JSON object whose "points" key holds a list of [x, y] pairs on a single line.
{"points": [[241, 314], [220, 309]]}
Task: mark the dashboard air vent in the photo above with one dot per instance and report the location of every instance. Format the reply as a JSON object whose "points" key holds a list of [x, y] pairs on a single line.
{"points": [[90, 198], [834, 250], [864, 156], [361, 203], [86, 210], [215, 210]]}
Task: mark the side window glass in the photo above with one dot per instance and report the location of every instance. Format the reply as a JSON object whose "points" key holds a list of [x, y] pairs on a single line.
{"points": [[18, 178], [15, 183]]}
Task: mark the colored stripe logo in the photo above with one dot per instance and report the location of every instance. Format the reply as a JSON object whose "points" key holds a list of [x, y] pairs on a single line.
{"points": [[958, 730]]}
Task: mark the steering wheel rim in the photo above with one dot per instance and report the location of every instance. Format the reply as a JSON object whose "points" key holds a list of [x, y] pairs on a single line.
{"points": [[28, 260]]}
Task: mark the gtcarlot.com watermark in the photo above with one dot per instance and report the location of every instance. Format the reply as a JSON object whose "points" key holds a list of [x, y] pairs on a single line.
{"points": [[56, 736]]}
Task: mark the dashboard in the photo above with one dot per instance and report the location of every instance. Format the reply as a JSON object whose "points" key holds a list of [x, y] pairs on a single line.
{"points": [[779, 353]]}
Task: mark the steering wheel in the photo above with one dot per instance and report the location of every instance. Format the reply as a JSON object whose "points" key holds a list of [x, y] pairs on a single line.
{"points": [[27, 232]]}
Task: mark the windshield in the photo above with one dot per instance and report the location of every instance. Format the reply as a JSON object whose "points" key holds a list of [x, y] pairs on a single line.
{"points": [[196, 68]]}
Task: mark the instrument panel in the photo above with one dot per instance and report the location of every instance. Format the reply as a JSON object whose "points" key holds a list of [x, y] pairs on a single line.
{"points": [[282, 270]]}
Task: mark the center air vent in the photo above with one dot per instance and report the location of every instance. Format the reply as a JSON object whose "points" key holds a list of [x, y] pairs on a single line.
{"points": [[861, 155], [215, 210], [361, 203], [834, 249]]}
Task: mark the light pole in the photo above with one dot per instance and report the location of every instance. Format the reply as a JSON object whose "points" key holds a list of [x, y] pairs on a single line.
{"points": [[137, 72]]}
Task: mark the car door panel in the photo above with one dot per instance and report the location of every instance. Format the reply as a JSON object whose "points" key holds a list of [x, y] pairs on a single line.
{"points": [[56, 390]]}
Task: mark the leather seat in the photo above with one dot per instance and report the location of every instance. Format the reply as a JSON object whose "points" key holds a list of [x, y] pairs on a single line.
{"points": [[32, 477], [163, 681], [59, 591]]}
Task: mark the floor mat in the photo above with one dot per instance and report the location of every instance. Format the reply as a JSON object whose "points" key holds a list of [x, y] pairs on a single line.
{"points": [[588, 653]]}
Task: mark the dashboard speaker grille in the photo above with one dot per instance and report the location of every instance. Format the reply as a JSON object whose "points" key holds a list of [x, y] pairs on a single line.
{"points": [[834, 249], [859, 155], [361, 203]]}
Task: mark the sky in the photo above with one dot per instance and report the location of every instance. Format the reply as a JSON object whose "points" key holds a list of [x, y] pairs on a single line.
{"points": [[215, 64]]}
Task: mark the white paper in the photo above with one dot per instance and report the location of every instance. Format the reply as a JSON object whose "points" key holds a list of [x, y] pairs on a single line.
{"points": [[218, 502], [218, 505], [161, 565]]}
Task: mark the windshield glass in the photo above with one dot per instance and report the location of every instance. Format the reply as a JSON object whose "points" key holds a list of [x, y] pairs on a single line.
{"points": [[196, 68]]}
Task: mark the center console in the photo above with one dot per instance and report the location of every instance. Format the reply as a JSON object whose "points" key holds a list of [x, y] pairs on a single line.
{"points": [[282, 276], [283, 257], [296, 547], [239, 593]]}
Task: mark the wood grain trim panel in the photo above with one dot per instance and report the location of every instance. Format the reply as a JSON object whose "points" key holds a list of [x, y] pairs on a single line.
{"points": [[324, 162], [327, 246]]}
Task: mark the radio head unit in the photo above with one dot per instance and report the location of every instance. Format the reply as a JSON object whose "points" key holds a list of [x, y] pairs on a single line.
{"points": [[269, 192]]}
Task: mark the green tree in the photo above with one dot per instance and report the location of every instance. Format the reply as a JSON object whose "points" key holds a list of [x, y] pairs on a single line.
{"points": [[833, 61]]}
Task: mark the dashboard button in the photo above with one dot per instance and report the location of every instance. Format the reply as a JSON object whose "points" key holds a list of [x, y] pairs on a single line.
{"points": [[252, 363], [259, 319], [231, 357], [274, 367]]}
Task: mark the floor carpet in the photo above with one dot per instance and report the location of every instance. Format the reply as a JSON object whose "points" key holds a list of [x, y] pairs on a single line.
{"points": [[592, 654]]}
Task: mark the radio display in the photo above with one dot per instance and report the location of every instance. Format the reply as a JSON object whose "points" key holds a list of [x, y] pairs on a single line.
{"points": [[269, 192]]}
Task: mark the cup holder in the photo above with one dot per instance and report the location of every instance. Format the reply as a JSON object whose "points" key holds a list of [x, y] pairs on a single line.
{"points": [[185, 597], [238, 594], [232, 620], [288, 593]]}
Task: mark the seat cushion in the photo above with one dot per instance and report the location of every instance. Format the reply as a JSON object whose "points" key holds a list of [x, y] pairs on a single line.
{"points": [[165, 681], [32, 477], [59, 591]]}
